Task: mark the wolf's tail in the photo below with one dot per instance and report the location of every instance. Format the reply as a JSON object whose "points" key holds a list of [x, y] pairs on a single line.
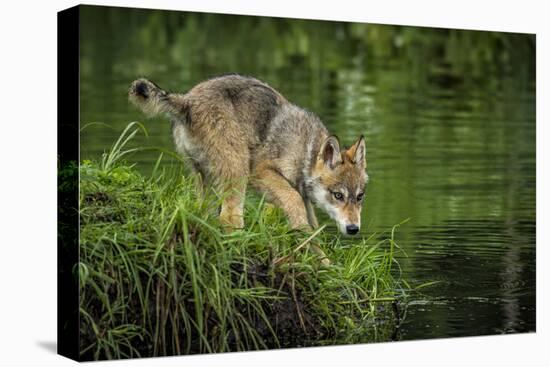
{"points": [[153, 100]]}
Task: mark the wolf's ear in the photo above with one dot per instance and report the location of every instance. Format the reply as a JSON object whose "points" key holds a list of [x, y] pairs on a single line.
{"points": [[330, 152], [356, 153]]}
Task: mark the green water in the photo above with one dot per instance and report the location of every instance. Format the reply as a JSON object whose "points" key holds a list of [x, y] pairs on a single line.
{"points": [[448, 116]]}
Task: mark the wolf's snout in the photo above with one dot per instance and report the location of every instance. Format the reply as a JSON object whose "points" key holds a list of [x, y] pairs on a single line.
{"points": [[352, 229]]}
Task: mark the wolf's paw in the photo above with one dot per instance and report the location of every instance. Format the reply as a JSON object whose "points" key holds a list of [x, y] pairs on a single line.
{"points": [[323, 257], [231, 223]]}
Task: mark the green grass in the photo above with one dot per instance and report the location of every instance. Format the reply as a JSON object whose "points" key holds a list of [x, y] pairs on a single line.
{"points": [[158, 275]]}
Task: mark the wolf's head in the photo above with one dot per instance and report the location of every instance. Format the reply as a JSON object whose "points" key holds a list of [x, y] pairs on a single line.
{"points": [[337, 182]]}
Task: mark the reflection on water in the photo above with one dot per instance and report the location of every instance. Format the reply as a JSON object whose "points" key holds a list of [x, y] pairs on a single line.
{"points": [[486, 273], [448, 116]]}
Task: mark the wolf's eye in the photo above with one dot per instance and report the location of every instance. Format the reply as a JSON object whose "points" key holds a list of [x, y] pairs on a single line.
{"points": [[360, 197], [338, 196]]}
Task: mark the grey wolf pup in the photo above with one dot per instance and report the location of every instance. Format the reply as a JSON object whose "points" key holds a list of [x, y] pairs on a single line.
{"points": [[238, 130]]}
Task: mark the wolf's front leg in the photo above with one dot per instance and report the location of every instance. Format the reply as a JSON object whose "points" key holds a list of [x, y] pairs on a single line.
{"points": [[279, 191], [311, 217]]}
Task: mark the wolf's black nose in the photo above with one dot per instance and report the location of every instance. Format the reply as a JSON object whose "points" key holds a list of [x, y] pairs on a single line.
{"points": [[352, 229]]}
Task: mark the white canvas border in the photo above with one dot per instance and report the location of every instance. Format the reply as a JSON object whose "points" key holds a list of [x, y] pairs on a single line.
{"points": [[28, 183]]}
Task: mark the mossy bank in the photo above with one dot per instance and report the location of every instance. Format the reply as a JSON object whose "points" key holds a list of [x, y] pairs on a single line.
{"points": [[159, 276]]}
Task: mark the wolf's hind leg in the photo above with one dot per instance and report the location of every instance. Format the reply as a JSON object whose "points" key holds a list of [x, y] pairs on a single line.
{"points": [[232, 211], [279, 191]]}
